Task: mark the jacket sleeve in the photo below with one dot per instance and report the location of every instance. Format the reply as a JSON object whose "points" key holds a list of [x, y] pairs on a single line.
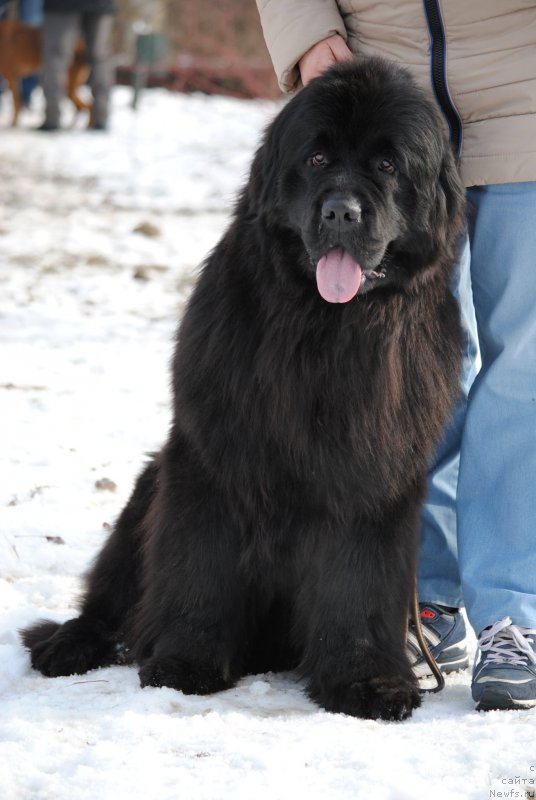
{"points": [[291, 28]]}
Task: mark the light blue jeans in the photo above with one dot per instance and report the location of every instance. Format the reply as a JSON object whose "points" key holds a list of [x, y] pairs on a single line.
{"points": [[479, 525]]}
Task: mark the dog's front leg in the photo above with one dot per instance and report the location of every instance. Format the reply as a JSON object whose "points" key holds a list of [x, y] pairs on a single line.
{"points": [[189, 630], [354, 608]]}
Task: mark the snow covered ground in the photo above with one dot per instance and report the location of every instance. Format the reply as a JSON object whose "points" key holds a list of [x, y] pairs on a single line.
{"points": [[100, 238]]}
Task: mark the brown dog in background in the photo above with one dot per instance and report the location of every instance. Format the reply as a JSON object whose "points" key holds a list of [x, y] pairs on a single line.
{"points": [[21, 54]]}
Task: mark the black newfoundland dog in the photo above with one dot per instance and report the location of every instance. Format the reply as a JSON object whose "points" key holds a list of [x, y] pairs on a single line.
{"points": [[315, 368]]}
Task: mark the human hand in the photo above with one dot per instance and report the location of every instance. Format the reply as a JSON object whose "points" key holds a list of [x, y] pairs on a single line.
{"points": [[323, 55]]}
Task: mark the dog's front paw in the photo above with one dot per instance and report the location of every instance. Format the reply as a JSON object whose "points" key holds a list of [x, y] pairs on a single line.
{"points": [[179, 674], [387, 698]]}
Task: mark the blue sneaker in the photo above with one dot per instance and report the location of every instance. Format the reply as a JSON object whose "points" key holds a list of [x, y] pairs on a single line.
{"points": [[505, 674], [445, 633]]}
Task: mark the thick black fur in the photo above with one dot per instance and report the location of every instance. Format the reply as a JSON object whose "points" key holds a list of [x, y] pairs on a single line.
{"points": [[278, 526]]}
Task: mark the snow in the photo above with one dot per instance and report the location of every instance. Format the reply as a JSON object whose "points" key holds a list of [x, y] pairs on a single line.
{"points": [[88, 310]]}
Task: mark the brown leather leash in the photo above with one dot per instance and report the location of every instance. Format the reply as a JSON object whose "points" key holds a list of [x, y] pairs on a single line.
{"points": [[423, 644]]}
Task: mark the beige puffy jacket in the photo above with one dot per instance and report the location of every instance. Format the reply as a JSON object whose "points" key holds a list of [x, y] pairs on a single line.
{"points": [[479, 56]]}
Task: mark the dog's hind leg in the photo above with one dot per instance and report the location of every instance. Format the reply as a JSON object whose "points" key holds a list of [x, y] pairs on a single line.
{"points": [[113, 587], [76, 77], [13, 84]]}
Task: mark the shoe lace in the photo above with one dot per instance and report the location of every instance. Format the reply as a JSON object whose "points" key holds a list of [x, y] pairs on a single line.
{"points": [[504, 641]]}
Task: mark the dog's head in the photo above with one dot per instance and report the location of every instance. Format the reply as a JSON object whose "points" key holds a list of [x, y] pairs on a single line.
{"points": [[359, 166]]}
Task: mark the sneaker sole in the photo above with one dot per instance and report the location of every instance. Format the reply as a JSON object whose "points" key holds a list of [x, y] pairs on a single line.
{"points": [[422, 670], [502, 701]]}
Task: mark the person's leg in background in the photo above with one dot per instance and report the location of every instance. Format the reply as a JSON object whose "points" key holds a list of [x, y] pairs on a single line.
{"points": [[497, 477], [30, 12], [3, 15], [97, 31], [60, 33], [439, 584], [438, 574]]}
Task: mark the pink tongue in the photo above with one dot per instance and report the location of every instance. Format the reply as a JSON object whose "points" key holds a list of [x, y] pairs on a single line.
{"points": [[338, 276]]}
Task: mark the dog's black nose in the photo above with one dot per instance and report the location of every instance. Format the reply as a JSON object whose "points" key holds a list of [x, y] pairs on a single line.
{"points": [[341, 211]]}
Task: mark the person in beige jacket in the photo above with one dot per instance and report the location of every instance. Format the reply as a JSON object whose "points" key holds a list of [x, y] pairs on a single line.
{"points": [[479, 524]]}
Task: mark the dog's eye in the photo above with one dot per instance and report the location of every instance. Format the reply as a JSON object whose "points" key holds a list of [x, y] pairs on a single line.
{"points": [[387, 166], [318, 160]]}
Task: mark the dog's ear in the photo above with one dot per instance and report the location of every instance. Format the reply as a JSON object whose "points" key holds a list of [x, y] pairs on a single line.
{"points": [[439, 209], [450, 192], [444, 197], [262, 190]]}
